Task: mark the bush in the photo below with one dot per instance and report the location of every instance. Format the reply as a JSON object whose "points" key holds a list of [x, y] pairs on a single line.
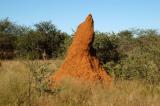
{"points": [[140, 60], [106, 47]]}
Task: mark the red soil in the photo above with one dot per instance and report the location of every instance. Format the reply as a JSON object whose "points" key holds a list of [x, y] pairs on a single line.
{"points": [[80, 62]]}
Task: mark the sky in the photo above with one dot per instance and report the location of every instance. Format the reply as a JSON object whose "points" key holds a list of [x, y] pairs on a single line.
{"points": [[109, 15]]}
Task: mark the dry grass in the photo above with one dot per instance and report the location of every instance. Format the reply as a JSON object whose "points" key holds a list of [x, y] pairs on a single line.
{"points": [[16, 90]]}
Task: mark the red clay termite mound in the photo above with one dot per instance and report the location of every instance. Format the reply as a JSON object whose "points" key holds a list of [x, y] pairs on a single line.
{"points": [[81, 63]]}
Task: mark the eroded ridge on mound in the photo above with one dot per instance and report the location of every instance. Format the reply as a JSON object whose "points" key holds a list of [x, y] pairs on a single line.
{"points": [[81, 62]]}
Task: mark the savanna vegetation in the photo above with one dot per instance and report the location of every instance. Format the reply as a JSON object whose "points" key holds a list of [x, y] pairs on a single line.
{"points": [[130, 56]]}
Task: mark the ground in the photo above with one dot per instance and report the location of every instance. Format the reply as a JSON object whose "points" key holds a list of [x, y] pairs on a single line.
{"points": [[20, 82]]}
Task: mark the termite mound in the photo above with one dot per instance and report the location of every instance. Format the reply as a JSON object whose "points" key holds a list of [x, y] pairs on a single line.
{"points": [[81, 62]]}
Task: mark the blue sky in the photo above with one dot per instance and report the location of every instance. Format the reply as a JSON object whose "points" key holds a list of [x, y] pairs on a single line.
{"points": [[109, 15]]}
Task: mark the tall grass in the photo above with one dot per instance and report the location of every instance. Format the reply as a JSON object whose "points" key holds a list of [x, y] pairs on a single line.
{"points": [[18, 87]]}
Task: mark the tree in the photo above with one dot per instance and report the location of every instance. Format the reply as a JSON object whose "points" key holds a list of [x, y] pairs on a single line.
{"points": [[45, 39], [50, 38], [7, 39]]}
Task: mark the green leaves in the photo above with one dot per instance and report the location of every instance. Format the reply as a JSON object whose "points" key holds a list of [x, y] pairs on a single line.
{"points": [[140, 60], [106, 47]]}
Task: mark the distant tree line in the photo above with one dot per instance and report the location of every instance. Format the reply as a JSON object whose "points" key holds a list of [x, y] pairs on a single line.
{"points": [[32, 43], [129, 54]]}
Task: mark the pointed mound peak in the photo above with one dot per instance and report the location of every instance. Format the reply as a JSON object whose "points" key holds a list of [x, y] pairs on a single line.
{"points": [[89, 19]]}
